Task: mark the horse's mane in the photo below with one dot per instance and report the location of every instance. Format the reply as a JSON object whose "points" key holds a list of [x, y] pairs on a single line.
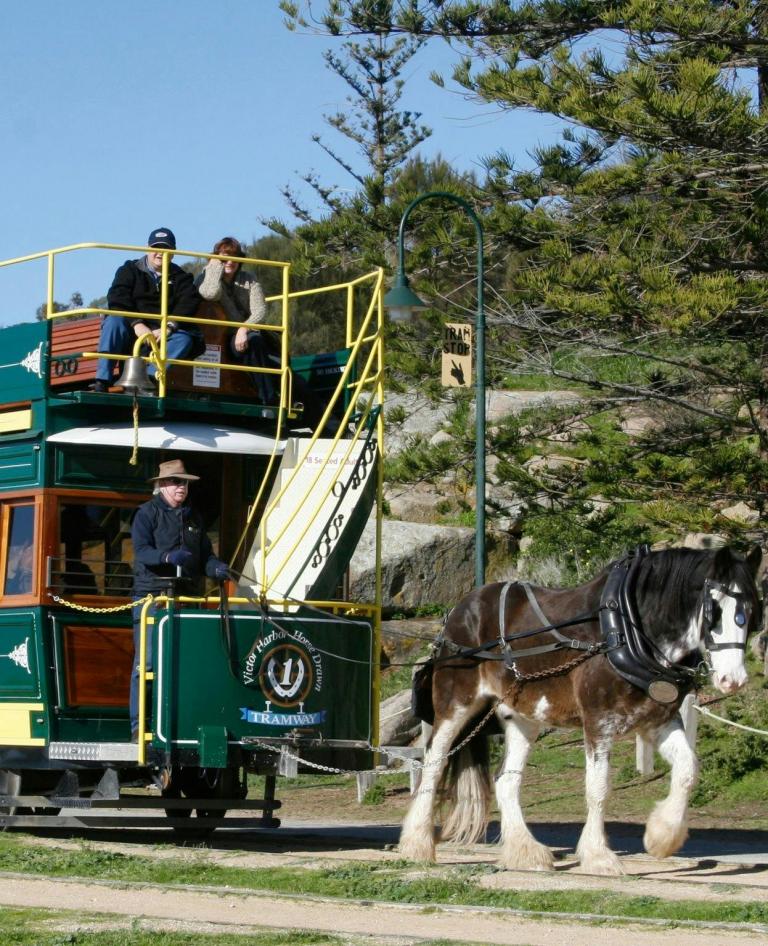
{"points": [[669, 583]]}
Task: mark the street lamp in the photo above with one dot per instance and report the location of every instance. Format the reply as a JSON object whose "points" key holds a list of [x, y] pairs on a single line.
{"points": [[401, 302]]}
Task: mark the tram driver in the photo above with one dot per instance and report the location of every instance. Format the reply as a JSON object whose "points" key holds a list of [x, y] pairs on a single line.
{"points": [[170, 548]]}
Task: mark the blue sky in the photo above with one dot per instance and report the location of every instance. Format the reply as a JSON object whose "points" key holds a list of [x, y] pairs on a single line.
{"points": [[119, 117]]}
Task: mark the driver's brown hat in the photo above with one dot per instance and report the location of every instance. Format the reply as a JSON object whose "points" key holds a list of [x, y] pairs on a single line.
{"points": [[172, 468]]}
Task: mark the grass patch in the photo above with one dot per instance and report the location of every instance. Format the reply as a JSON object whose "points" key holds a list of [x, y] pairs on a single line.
{"points": [[47, 928], [377, 881]]}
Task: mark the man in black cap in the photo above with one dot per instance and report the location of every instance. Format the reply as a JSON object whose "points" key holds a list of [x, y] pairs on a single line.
{"points": [[136, 288]]}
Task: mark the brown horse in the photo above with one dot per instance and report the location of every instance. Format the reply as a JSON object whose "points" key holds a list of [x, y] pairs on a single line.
{"points": [[613, 656]]}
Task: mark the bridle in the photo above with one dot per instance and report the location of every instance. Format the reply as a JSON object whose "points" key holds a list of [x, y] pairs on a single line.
{"points": [[711, 614]]}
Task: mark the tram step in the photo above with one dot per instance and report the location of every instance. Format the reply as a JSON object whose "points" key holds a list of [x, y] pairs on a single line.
{"points": [[94, 751], [191, 825]]}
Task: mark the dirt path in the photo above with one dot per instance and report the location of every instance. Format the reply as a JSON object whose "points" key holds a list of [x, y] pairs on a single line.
{"points": [[243, 913], [226, 911]]}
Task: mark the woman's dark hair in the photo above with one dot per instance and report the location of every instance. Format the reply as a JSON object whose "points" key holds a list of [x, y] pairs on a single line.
{"points": [[229, 246]]}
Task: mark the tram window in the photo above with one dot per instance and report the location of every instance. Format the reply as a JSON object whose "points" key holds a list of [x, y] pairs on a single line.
{"points": [[19, 569], [95, 550]]}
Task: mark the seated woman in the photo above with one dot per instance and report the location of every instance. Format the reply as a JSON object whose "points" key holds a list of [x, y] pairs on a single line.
{"points": [[241, 297]]}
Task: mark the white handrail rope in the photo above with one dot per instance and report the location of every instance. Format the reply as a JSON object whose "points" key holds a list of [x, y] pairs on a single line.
{"points": [[728, 722]]}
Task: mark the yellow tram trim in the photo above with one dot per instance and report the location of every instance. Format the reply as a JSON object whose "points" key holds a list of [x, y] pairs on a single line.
{"points": [[16, 724], [13, 421]]}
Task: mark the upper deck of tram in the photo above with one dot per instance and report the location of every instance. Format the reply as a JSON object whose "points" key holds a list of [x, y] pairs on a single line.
{"points": [[56, 356], [65, 449]]}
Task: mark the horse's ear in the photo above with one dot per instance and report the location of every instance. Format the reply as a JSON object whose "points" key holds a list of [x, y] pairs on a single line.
{"points": [[754, 559]]}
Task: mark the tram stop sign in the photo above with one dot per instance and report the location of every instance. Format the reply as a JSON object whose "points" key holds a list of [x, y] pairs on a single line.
{"points": [[457, 355]]}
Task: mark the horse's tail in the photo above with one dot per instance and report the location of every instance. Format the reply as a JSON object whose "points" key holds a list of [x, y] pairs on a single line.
{"points": [[466, 786]]}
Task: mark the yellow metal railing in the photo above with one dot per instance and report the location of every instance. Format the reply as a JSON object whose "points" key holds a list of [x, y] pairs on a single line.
{"points": [[361, 375], [160, 358]]}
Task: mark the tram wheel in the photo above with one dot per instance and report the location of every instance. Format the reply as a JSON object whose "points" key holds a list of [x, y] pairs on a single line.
{"points": [[174, 790], [224, 784], [194, 782]]}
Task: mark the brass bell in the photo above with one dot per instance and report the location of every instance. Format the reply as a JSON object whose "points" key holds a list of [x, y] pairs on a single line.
{"points": [[134, 379]]}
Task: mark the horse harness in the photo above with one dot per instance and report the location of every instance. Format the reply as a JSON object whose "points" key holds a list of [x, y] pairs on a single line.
{"points": [[629, 651]]}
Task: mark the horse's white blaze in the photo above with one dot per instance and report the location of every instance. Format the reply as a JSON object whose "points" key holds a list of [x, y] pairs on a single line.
{"points": [[727, 657], [541, 710]]}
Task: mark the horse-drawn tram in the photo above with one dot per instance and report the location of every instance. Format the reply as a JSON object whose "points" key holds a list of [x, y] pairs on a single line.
{"points": [[268, 672]]}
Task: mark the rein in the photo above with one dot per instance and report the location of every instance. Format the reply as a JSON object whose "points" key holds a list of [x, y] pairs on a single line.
{"points": [[480, 652]]}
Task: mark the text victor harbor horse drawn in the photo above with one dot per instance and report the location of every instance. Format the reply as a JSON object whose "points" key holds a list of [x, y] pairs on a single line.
{"points": [[613, 656]]}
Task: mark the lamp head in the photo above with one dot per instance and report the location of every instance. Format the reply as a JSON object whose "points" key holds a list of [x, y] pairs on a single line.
{"points": [[401, 300]]}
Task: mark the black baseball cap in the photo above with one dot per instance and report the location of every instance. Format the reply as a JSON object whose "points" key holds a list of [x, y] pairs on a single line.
{"points": [[162, 237]]}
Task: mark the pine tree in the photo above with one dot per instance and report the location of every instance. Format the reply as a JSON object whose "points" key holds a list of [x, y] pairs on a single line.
{"points": [[350, 229], [634, 254]]}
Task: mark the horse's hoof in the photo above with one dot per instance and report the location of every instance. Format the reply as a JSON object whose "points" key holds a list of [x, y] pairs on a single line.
{"points": [[603, 864], [662, 839], [416, 852], [529, 855]]}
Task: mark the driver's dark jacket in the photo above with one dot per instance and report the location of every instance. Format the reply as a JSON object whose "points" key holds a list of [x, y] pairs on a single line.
{"points": [[158, 529]]}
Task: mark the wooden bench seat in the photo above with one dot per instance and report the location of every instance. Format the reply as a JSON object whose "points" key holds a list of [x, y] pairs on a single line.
{"points": [[209, 377], [69, 338]]}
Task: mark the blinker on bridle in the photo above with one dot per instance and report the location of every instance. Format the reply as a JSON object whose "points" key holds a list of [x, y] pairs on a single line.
{"points": [[740, 616]]}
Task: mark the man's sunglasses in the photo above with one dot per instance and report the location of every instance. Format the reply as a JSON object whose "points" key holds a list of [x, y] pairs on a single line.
{"points": [[176, 481]]}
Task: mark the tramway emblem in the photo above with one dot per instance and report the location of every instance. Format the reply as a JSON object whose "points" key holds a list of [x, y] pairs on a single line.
{"points": [[32, 361], [286, 675]]}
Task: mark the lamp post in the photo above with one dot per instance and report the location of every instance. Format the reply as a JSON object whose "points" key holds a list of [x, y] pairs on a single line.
{"points": [[401, 301]]}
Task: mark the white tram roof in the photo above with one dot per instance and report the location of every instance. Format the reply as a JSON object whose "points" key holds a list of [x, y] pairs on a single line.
{"points": [[203, 438]]}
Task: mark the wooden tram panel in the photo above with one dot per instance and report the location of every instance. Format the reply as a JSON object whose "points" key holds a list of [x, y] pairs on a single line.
{"points": [[70, 338], [97, 664]]}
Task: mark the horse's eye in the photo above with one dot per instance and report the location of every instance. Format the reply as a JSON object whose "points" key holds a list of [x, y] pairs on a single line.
{"points": [[740, 617]]}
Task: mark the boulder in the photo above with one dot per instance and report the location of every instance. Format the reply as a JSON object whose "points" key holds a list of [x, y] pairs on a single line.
{"points": [[414, 502], [397, 724], [503, 403], [421, 564], [422, 419], [425, 418], [741, 512]]}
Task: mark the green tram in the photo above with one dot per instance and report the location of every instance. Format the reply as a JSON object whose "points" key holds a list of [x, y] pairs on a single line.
{"points": [[271, 673]]}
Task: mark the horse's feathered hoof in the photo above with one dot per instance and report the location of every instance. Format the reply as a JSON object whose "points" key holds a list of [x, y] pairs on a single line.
{"points": [[526, 855], [662, 839], [602, 864], [416, 850]]}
